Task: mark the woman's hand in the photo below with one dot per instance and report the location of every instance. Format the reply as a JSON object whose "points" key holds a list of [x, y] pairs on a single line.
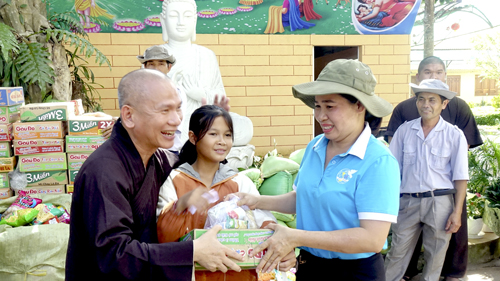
{"points": [[193, 198], [279, 246], [247, 199]]}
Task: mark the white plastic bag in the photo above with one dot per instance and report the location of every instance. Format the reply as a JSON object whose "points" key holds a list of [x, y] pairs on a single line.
{"points": [[230, 216]]}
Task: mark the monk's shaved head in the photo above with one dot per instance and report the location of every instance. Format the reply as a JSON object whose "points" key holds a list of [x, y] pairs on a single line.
{"points": [[134, 87]]}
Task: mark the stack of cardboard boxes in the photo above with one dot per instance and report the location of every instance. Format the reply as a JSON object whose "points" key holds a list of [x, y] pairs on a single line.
{"points": [[84, 137], [11, 99], [39, 143]]}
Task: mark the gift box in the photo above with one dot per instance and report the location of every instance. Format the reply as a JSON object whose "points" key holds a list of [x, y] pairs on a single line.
{"points": [[75, 160], [9, 114], [53, 189], [42, 162], [47, 178], [88, 126], [243, 241], [6, 132], [54, 111], [5, 149], [84, 144], [7, 164], [37, 146], [6, 193]]}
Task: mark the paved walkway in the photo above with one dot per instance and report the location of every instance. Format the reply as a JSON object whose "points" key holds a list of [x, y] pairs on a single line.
{"points": [[480, 272]]}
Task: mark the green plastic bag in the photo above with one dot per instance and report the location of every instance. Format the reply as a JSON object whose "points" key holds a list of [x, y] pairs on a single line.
{"points": [[297, 155], [278, 184], [34, 252], [292, 224], [275, 164], [282, 223], [283, 217], [254, 175]]}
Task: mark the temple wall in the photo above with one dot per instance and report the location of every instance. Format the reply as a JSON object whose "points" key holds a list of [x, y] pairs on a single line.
{"points": [[258, 72]]}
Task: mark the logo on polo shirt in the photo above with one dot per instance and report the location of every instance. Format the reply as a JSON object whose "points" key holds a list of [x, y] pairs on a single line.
{"points": [[345, 175]]}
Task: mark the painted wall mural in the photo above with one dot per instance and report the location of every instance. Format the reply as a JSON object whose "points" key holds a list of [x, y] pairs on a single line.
{"points": [[252, 16]]}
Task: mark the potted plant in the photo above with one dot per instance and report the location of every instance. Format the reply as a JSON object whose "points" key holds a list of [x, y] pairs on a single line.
{"points": [[475, 209], [492, 206]]}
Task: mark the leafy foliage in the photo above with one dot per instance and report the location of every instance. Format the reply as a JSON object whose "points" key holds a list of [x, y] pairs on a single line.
{"points": [[475, 206], [493, 194], [484, 166], [487, 60], [33, 65], [8, 42], [488, 120]]}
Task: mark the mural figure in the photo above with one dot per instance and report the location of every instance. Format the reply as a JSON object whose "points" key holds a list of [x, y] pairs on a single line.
{"points": [[90, 8], [383, 13], [286, 15], [306, 9]]}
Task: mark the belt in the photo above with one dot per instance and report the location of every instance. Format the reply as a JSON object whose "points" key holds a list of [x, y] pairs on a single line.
{"points": [[438, 192]]}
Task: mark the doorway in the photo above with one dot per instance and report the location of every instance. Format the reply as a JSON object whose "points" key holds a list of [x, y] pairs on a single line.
{"points": [[322, 56]]}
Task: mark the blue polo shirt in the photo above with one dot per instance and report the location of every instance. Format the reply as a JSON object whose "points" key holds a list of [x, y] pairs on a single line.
{"points": [[361, 184]]}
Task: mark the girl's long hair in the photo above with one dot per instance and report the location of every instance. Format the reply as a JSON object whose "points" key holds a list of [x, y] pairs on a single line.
{"points": [[201, 121]]}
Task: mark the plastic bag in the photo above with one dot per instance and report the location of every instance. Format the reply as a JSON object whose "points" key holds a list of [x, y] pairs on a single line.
{"points": [[22, 201], [275, 164], [19, 217], [230, 216], [280, 183], [18, 180]]}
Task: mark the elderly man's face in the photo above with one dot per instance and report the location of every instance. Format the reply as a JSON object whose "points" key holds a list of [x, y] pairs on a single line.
{"points": [[432, 71], [180, 21], [157, 116]]}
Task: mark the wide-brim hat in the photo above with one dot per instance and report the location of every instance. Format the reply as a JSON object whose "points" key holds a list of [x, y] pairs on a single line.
{"points": [[433, 86], [157, 52], [343, 76]]}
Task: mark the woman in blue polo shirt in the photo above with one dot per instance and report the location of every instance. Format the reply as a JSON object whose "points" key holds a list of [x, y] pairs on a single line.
{"points": [[346, 194]]}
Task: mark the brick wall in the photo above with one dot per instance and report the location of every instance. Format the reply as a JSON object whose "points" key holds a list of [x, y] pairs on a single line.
{"points": [[258, 72]]}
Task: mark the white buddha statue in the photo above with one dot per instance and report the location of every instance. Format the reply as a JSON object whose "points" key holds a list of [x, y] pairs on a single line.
{"points": [[196, 71]]}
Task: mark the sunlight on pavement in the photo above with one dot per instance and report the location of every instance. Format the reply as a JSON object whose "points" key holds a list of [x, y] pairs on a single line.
{"points": [[479, 277]]}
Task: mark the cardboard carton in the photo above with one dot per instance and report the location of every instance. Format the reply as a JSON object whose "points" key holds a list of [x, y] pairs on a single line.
{"points": [[39, 130], [52, 189], [6, 193], [88, 125], [85, 144], [11, 96], [47, 178], [37, 146], [9, 114], [54, 111], [240, 240], [75, 160], [70, 188], [6, 132], [5, 149], [7, 164], [42, 162], [4, 180], [72, 175]]}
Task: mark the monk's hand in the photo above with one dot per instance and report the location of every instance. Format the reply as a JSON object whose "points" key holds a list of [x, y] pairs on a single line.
{"points": [[212, 255], [278, 247], [454, 222], [247, 199]]}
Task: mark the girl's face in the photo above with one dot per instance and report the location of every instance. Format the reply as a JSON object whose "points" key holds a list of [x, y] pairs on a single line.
{"points": [[216, 143]]}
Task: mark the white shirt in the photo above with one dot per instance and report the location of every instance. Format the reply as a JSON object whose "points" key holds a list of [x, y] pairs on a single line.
{"points": [[430, 163]]}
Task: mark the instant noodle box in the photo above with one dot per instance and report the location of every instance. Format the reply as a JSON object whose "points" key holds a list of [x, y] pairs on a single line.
{"points": [[37, 146], [9, 114], [53, 189], [6, 132], [11, 96], [42, 162], [7, 164], [4, 180], [5, 149], [70, 188], [6, 193], [75, 160], [54, 111], [240, 240], [72, 175], [84, 144], [47, 178], [88, 126], [39, 130]]}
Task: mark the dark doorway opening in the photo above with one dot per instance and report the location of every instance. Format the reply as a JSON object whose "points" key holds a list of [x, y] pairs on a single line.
{"points": [[322, 56]]}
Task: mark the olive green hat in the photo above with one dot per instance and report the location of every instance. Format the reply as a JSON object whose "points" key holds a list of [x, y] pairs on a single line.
{"points": [[157, 52], [343, 76]]}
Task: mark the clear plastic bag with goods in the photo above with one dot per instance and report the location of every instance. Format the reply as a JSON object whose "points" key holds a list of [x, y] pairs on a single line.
{"points": [[231, 216]]}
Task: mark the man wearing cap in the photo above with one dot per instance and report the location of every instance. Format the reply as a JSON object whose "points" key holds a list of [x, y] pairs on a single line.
{"points": [[458, 113], [346, 191], [432, 156]]}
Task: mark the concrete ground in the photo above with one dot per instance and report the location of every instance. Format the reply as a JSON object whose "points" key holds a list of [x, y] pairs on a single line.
{"points": [[479, 272]]}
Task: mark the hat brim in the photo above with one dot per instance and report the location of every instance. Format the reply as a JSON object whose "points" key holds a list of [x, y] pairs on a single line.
{"points": [[442, 92], [170, 59], [306, 92]]}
